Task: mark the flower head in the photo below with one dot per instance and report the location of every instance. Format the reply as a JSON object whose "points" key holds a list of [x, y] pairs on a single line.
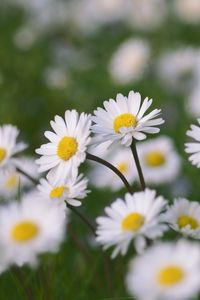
{"points": [[194, 148]]}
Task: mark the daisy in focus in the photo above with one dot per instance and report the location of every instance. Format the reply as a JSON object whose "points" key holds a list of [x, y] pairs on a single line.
{"points": [[194, 148], [30, 228], [8, 144], [184, 216], [159, 160], [70, 190], [137, 217], [167, 271], [124, 119], [67, 147]]}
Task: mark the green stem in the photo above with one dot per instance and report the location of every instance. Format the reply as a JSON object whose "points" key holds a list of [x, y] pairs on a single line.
{"points": [[138, 166]]}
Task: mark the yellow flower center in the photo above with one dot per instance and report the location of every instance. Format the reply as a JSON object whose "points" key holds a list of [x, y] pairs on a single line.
{"points": [[12, 181], [154, 159], [67, 147], [183, 221], [122, 167], [57, 192], [133, 222], [24, 231], [2, 154], [124, 120], [170, 275]]}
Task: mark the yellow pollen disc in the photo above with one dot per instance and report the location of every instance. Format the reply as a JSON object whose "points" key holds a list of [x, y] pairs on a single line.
{"points": [[183, 221], [57, 192], [24, 231], [12, 181], [122, 167], [2, 154], [67, 147], [124, 120], [133, 222], [170, 275], [154, 159]]}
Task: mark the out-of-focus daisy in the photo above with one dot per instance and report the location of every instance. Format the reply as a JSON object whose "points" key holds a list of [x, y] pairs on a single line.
{"points": [[30, 228], [70, 190], [67, 147], [193, 102], [167, 271], [159, 160], [188, 10], [122, 159], [138, 217], [194, 148], [124, 119], [184, 216], [130, 61], [8, 144], [56, 77]]}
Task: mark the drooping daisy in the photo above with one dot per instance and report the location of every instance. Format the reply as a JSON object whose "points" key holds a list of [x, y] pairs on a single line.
{"points": [[159, 160], [194, 148], [30, 228], [188, 10], [129, 61], [122, 159], [67, 147], [8, 144], [184, 217], [138, 217], [167, 271], [123, 119], [70, 190]]}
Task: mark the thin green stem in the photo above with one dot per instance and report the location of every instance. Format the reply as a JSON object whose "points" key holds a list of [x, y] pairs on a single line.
{"points": [[138, 166], [35, 181]]}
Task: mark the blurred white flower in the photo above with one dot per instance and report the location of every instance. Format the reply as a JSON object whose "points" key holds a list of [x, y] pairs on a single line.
{"points": [[123, 119], [25, 37], [193, 102], [67, 147], [194, 148], [167, 271], [184, 217], [137, 217], [159, 160], [188, 10], [56, 77], [130, 61]]}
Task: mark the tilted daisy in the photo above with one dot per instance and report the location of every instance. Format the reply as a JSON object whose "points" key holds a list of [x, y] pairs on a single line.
{"points": [[184, 217], [8, 144], [30, 228], [194, 148], [137, 217], [167, 271], [70, 190], [67, 147], [122, 159], [159, 160], [123, 119]]}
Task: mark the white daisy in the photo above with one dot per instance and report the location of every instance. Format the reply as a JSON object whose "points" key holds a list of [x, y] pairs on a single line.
{"points": [[123, 119], [67, 147], [188, 10], [193, 102], [122, 159], [194, 148], [30, 228], [184, 217], [130, 61], [8, 144], [159, 160], [167, 271], [135, 218], [70, 190]]}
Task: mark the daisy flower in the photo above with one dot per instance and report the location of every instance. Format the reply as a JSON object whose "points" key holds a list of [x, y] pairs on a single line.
{"points": [[184, 216], [67, 147], [194, 148], [122, 159], [136, 217], [167, 271], [193, 102], [8, 144], [130, 61], [30, 228], [159, 160], [188, 10], [70, 190], [123, 120]]}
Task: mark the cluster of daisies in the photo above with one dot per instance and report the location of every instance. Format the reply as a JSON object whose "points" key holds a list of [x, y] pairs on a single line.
{"points": [[35, 211]]}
